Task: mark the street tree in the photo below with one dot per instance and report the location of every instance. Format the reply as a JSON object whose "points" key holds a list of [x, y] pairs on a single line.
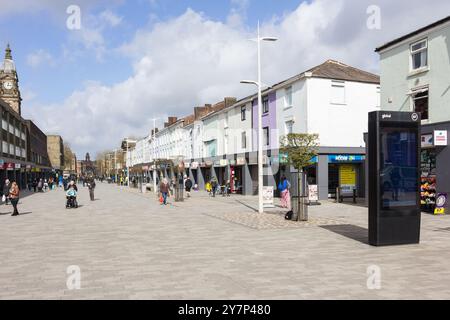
{"points": [[300, 148]]}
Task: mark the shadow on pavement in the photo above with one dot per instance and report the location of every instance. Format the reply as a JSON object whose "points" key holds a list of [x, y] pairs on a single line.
{"points": [[350, 231]]}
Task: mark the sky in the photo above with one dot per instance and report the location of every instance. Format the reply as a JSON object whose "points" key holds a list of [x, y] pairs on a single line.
{"points": [[134, 60]]}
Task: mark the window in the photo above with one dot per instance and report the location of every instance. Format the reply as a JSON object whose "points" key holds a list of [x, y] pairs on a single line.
{"points": [[265, 105], [244, 140], [266, 136], [4, 124], [378, 97], [226, 120], [419, 54], [420, 103], [5, 147], [289, 127], [288, 97], [243, 113], [338, 92], [11, 149]]}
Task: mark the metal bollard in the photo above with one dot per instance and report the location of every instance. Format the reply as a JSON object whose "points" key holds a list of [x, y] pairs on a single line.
{"points": [[354, 196]]}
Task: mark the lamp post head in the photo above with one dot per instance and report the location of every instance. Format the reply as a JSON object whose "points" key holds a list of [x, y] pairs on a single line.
{"points": [[249, 82], [271, 39]]}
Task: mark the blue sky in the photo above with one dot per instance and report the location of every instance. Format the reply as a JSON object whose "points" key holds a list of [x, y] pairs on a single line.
{"points": [[29, 32], [134, 60]]}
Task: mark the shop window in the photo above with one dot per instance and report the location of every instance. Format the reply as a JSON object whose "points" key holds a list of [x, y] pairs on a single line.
{"points": [[419, 55], [420, 102]]}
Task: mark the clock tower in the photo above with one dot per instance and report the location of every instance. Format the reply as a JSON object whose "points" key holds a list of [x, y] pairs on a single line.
{"points": [[9, 82]]}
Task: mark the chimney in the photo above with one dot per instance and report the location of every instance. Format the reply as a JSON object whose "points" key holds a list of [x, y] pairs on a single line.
{"points": [[229, 101], [172, 120]]}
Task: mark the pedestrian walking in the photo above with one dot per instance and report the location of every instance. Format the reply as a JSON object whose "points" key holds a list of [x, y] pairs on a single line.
{"points": [[164, 190], [14, 194], [284, 187], [6, 188], [91, 187], [40, 185], [35, 183], [214, 184], [187, 186]]}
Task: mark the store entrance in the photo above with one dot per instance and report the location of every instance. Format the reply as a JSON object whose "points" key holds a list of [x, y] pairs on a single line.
{"points": [[333, 180], [236, 180]]}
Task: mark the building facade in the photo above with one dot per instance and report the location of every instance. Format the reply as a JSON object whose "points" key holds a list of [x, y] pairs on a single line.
{"points": [[55, 150], [37, 152], [331, 100], [415, 77]]}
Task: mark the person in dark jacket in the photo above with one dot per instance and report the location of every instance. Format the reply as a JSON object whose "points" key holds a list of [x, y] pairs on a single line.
{"points": [[91, 187], [187, 186], [164, 190], [6, 188]]}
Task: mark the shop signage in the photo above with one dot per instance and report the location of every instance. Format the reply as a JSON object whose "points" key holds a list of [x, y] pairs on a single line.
{"points": [[232, 162], [345, 158], [284, 158], [223, 162], [28, 167], [427, 141], [440, 138], [241, 161], [347, 178], [441, 202], [313, 193], [208, 163], [10, 166], [17, 166], [268, 197], [194, 165], [2, 162]]}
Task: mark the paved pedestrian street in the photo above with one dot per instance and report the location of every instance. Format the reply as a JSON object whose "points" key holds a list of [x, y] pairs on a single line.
{"points": [[127, 246]]}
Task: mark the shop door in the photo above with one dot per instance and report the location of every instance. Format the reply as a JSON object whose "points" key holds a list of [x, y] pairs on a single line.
{"points": [[254, 176], [333, 179]]}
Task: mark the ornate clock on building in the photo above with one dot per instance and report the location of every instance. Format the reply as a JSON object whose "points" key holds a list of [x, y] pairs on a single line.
{"points": [[8, 85]]}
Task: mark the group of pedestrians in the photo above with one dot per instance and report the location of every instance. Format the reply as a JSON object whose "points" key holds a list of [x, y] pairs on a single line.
{"points": [[167, 189], [213, 187], [11, 192]]}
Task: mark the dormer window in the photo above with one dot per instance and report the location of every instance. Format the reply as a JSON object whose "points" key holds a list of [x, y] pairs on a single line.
{"points": [[419, 55]]}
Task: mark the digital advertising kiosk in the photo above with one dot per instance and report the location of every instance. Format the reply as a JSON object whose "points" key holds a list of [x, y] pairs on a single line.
{"points": [[394, 178]]}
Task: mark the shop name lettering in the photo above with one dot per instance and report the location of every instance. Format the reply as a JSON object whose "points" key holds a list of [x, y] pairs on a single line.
{"points": [[386, 116], [344, 158]]}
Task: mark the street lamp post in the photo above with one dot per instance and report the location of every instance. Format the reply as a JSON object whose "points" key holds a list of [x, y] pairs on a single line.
{"points": [[128, 168], [260, 130], [154, 154]]}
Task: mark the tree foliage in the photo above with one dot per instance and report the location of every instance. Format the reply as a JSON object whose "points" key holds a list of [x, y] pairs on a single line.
{"points": [[301, 148]]}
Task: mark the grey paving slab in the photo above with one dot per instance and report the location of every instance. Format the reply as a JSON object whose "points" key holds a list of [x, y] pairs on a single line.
{"points": [[127, 246]]}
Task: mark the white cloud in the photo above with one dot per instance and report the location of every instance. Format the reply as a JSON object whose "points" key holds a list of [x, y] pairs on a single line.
{"points": [[110, 18], [39, 58], [191, 60]]}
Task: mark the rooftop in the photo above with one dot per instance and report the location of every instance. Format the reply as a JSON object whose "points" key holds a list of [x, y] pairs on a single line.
{"points": [[412, 34]]}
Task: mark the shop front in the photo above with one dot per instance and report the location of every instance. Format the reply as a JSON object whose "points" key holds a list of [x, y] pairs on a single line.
{"points": [[435, 166], [237, 175]]}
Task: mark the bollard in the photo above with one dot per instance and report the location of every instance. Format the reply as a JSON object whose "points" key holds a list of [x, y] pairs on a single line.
{"points": [[338, 195], [354, 196]]}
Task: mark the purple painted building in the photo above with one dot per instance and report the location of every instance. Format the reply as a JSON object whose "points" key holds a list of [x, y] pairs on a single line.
{"points": [[269, 121]]}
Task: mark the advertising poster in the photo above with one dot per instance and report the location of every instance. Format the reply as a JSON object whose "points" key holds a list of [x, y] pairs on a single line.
{"points": [[347, 178], [268, 193], [313, 193], [441, 202]]}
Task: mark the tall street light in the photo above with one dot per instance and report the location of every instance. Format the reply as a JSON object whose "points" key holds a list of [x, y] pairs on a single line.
{"points": [[260, 130], [154, 153]]}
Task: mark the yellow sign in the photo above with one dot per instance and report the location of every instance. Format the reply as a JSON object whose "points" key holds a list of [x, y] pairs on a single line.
{"points": [[347, 177], [439, 211]]}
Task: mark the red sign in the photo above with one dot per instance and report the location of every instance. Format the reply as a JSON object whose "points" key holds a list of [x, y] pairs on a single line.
{"points": [[10, 166]]}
